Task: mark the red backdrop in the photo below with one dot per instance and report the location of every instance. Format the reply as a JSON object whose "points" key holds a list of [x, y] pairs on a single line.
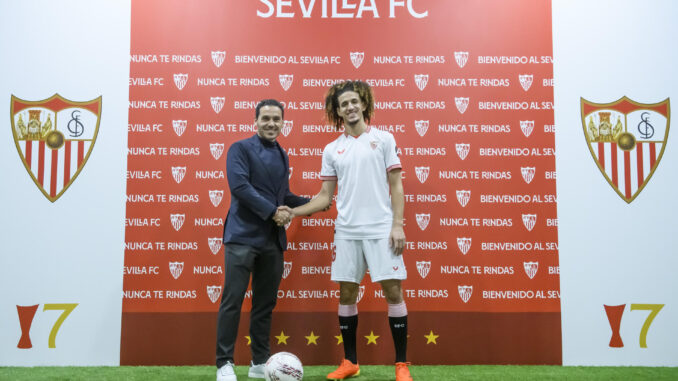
{"points": [[466, 89]]}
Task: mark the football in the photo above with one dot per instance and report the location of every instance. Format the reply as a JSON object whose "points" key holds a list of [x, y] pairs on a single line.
{"points": [[283, 366]]}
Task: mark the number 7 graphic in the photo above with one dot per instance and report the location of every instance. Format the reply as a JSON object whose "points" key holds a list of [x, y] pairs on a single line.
{"points": [[26, 315], [614, 316]]}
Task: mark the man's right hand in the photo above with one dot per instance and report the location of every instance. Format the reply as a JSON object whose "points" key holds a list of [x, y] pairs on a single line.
{"points": [[283, 215]]}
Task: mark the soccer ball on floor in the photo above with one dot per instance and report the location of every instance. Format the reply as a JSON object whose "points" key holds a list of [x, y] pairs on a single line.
{"points": [[283, 366]]}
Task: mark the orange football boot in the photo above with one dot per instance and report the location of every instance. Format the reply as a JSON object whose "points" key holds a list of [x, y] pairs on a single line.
{"points": [[402, 371], [347, 369]]}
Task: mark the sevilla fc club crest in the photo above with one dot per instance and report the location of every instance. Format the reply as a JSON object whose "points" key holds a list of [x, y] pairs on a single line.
{"points": [[214, 244], [286, 80], [216, 196], [361, 293], [176, 268], [422, 220], [214, 292], [180, 80], [465, 292], [287, 268], [423, 267], [179, 126], [421, 80], [216, 149], [462, 104], [54, 138], [626, 140], [464, 244], [526, 80], [218, 57], [462, 150], [461, 58], [527, 126], [463, 196], [421, 126], [528, 173], [422, 173], [531, 268], [178, 173], [287, 127], [357, 58]]}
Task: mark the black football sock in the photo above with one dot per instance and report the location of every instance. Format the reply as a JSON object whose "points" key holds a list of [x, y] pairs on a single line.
{"points": [[349, 326], [399, 332], [397, 319]]}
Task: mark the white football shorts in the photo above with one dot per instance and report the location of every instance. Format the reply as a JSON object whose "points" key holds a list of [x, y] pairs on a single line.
{"points": [[353, 257]]}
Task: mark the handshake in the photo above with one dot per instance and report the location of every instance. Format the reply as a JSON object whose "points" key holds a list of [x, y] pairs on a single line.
{"points": [[283, 215]]}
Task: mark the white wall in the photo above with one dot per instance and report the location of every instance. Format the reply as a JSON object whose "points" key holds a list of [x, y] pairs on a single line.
{"points": [[69, 251], [612, 252]]}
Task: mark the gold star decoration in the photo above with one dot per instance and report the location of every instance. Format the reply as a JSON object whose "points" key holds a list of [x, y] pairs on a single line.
{"points": [[312, 339], [431, 338], [249, 340], [282, 339], [340, 339], [372, 338]]}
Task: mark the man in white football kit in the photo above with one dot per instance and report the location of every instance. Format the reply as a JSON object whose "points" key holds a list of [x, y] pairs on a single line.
{"points": [[369, 227]]}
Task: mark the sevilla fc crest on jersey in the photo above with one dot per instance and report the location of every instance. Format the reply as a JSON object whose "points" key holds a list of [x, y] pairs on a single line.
{"points": [[54, 138], [627, 141]]}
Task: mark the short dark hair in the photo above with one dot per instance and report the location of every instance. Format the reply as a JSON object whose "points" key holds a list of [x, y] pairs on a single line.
{"points": [[269, 102], [332, 100]]}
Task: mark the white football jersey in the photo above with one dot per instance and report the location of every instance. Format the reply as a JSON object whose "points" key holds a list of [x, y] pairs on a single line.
{"points": [[360, 165]]}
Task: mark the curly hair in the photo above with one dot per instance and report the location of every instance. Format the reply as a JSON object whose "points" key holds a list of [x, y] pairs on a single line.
{"points": [[332, 100]]}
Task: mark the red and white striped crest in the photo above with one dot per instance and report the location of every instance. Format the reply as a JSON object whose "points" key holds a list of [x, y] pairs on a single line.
{"points": [[465, 292], [217, 103], [286, 80], [287, 127], [216, 149], [422, 220], [528, 173], [179, 126], [422, 173], [525, 80], [464, 244], [421, 126], [421, 80], [287, 268], [461, 58], [54, 138], [213, 292], [626, 140], [218, 57], [462, 104], [357, 58], [463, 196], [216, 196], [462, 150], [176, 268], [529, 220], [177, 221], [531, 268], [178, 173], [214, 244], [423, 267], [180, 80], [527, 126]]}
